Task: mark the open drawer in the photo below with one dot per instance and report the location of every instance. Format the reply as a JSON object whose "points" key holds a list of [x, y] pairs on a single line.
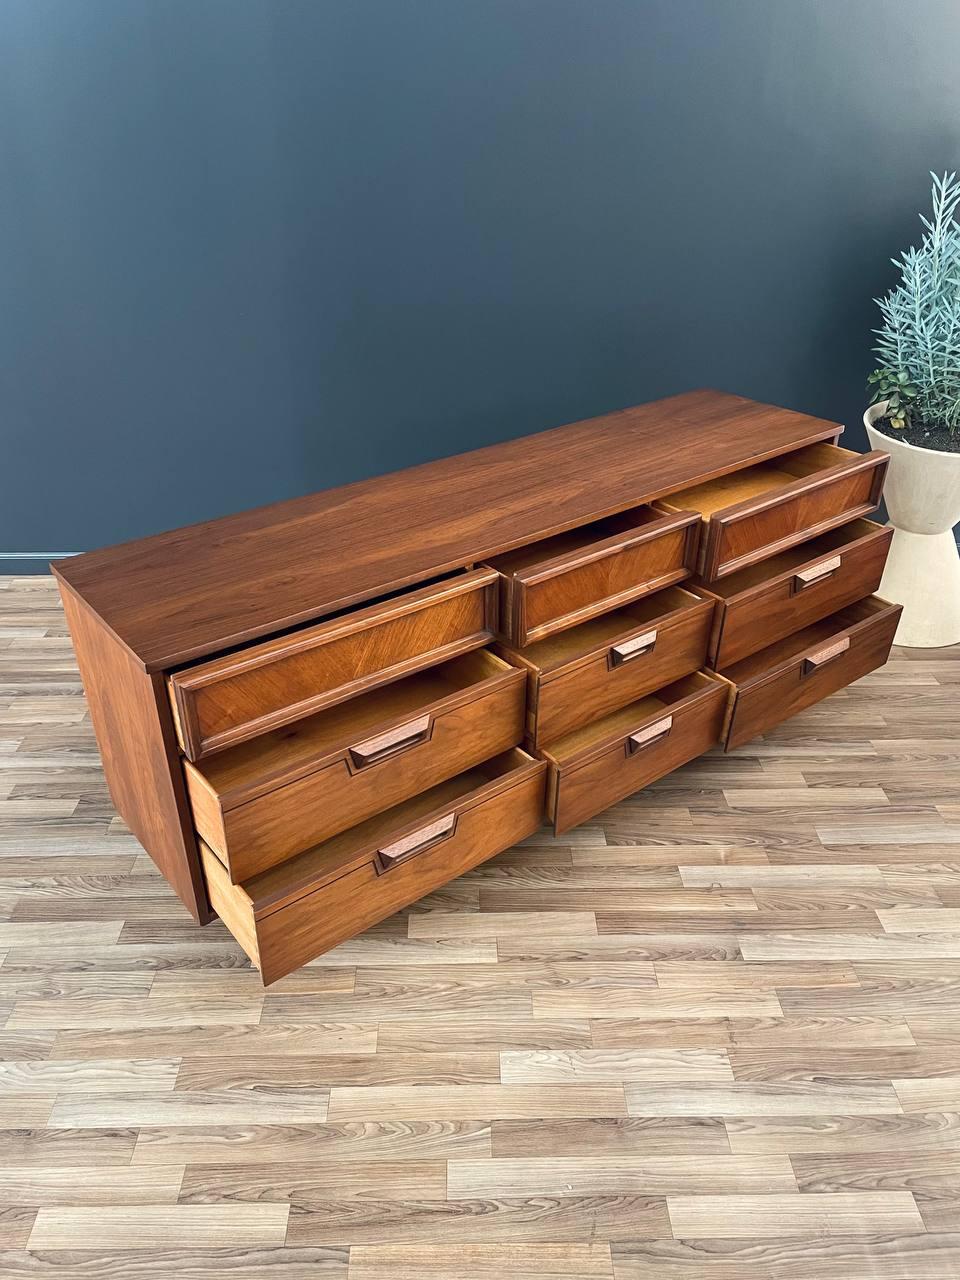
{"points": [[264, 801], [562, 581], [753, 514], [798, 671], [578, 675], [768, 601], [593, 767], [305, 906], [227, 700]]}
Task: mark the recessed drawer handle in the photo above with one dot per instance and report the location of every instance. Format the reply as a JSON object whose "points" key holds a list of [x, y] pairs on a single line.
{"points": [[648, 736], [630, 649], [816, 573], [417, 842], [813, 661], [390, 743]]}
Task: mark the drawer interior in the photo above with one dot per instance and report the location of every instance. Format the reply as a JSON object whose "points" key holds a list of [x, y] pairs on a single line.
{"points": [[574, 541], [619, 723], [599, 633], [247, 770], [835, 542], [229, 699], [327, 861], [740, 486], [287, 916], [788, 650]]}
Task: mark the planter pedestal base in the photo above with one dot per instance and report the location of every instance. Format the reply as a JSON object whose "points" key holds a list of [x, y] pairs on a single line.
{"points": [[922, 494], [923, 574]]}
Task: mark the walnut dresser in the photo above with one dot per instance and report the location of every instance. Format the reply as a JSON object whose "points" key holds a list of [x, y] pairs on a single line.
{"points": [[314, 713]]}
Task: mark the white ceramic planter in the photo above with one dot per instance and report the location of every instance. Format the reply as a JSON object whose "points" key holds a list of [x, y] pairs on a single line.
{"points": [[922, 494]]}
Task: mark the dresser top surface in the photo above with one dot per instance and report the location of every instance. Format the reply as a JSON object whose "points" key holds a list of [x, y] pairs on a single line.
{"points": [[177, 596]]}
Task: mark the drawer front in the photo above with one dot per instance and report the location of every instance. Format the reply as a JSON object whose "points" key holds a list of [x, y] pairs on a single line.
{"points": [[231, 699], [809, 591], [760, 527], [636, 663], [403, 869], [655, 747], [832, 662], [541, 599], [387, 766]]}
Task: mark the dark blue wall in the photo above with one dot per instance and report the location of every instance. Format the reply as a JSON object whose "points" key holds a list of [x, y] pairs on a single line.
{"points": [[250, 248]]}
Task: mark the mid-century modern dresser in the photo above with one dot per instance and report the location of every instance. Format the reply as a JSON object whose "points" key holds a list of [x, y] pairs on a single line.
{"points": [[314, 713]]}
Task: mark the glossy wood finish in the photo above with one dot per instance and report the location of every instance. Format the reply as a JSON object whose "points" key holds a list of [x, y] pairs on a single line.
{"points": [[264, 801], [283, 811], [135, 735], [756, 513], [193, 605], [197, 591], [555, 584], [753, 960], [234, 698], [307, 905], [809, 665], [766, 602], [593, 767], [580, 675]]}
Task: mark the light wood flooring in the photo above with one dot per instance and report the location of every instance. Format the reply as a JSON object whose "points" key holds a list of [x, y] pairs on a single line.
{"points": [[713, 1035]]}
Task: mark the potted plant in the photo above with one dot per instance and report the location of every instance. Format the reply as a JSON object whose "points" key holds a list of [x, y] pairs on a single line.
{"points": [[914, 414]]}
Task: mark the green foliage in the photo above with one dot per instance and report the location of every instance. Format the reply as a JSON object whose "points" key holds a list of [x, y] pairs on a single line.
{"points": [[898, 391], [918, 344]]}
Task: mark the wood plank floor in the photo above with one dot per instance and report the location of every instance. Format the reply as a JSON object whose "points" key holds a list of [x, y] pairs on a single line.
{"points": [[712, 1035]]}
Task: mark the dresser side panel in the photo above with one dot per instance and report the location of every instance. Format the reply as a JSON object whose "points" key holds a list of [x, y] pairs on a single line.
{"points": [[134, 729]]}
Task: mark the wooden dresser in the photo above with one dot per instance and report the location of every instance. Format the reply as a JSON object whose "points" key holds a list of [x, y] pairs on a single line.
{"points": [[313, 713]]}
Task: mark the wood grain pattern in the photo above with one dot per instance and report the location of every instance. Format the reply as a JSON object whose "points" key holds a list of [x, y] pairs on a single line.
{"points": [[250, 685], [641, 1066], [233, 698], [135, 734], [545, 1219], [158, 1227], [593, 767], [846, 1213], [893, 1256], [782, 1098], [768, 601], [484, 1084], [550, 586], [577, 675], [308, 1184], [844, 1135], [652, 1175], [292, 913], [801, 670], [481, 1262], [756, 513], [265, 1105], [232, 576], [90, 1185], [609, 1137], [262, 1145], [262, 802], [497, 1101]]}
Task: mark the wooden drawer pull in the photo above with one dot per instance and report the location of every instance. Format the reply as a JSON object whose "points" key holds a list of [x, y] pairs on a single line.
{"points": [[816, 573], [815, 660], [417, 842], [648, 736], [390, 743], [630, 649]]}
